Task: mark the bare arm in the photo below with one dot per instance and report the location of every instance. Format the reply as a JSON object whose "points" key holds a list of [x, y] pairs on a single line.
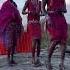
{"points": [[25, 7], [44, 2], [65, 11]]}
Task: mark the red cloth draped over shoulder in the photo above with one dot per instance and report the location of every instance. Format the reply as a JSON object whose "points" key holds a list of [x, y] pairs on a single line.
{"points": [[8, 13]]}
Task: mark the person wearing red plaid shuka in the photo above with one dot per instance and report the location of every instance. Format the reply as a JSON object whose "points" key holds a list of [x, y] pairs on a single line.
{"points": [[10, 27], [56, 26], [34, 27]]}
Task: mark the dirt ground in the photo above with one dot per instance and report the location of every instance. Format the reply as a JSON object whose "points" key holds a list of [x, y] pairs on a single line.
{"points": [[24, 61]]}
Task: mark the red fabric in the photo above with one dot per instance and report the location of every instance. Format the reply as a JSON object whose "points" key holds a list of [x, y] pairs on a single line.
{"points": [[23, 45], [34, 9], [34, 30], [55, 5], [58, 27], [8, 14]]}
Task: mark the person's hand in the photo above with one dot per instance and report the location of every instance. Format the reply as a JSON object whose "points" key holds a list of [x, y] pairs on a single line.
{"points": [[23, 12], [43, 13]]}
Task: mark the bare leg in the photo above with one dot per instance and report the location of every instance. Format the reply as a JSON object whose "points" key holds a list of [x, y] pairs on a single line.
{"points": [[14, 43], [9, 52], [38, 63], [63, 48], [33, 51], [38, 48], [50, 52], [12, 53], [13, 47]]}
